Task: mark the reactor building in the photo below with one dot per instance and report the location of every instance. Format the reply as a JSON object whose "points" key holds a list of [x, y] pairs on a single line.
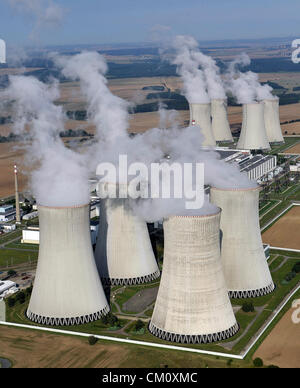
{"points": [[200, 114], [246, 270], [220, 125], [193, 305], [67, 289], [124, 253], [272, 121], [253, 134]]}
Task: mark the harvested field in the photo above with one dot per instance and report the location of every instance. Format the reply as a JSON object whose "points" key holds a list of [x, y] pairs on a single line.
{"points": [[282, 347], [8, 157], [293, 150], [291, 129], [30, 349], [285, 232]]}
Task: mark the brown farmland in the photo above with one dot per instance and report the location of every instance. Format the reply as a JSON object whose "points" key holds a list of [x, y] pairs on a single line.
{"points": [[285, 232], [281, 347]]}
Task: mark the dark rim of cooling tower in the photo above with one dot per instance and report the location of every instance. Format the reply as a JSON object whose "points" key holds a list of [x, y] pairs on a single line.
{"points": [[51, 321], [130, 281], [193, 339], [252, 293]]}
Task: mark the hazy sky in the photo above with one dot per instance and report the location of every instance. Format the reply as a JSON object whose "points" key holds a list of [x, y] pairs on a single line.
{"points": [[114, 21]]}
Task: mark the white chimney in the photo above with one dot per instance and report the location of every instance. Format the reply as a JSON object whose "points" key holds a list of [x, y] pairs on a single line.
{"points": [[272, 121], [193, 305], [220, 124], [245, 265], [200, 114], [67, 288], [253, 134]]}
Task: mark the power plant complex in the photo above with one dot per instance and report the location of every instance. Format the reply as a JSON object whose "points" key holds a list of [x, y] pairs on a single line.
{"points": [[207, 260]]}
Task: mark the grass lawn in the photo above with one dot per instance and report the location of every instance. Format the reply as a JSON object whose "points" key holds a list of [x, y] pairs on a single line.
{"points": [[13, 257], [276, 263]]}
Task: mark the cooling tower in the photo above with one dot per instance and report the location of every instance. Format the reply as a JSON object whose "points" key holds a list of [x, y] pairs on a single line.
{"points": [[2, 51], [245, 266], [253, 134], [200, 115], [272, 121], [67, 289], [193, 305], [220, 124], [124, 252]]}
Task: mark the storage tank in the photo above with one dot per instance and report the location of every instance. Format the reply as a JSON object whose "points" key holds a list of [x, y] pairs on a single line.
{"points": [[124, 252], [220, 124], [192, 304], [200, 114], [246, 270], [253, 134], [272, 121], [67, 289]]}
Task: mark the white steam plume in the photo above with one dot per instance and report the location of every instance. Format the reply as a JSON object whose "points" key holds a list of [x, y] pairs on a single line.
{"points": [[245, 87], [110, 114], [60, 176]]}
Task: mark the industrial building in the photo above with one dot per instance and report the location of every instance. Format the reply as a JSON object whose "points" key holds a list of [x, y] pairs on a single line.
{"points": [[256, 166], [200, 114], [246, 270], [220, 125], [124, 253], [253, 134], [6, 285], [67, 289], [7, 213], [192, 304], [30, 216]]}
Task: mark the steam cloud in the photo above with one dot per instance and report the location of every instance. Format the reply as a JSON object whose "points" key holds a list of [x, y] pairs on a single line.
{"points": [[60, 176], [110, 115], [245, 87]]}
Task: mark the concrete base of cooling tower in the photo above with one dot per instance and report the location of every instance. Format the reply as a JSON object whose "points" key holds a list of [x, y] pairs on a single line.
{"points": [[244, 294], [130, 281], [193, 339], [51, 321]]}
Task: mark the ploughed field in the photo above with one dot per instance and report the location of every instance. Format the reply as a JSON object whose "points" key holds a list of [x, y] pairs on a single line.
{"points": [[285, 232], [282, 347]]}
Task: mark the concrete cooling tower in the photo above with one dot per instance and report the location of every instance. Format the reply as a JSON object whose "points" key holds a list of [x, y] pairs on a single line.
{"points": [[253, 134], [245, 266], [200, 114], [124, 252], [193, 305], [2, 51], [272, 121], [220, 124], [67, 289]]}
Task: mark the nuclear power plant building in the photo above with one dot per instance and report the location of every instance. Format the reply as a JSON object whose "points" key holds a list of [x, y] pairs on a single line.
{"points": [[200, 114], [253, 134], [192, 304], [124, 253], [220, 124], [246, 270], [67, 288]]}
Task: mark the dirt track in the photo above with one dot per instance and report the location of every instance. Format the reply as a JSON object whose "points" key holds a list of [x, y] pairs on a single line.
{"points": [[282, 346], [285, 232]]}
